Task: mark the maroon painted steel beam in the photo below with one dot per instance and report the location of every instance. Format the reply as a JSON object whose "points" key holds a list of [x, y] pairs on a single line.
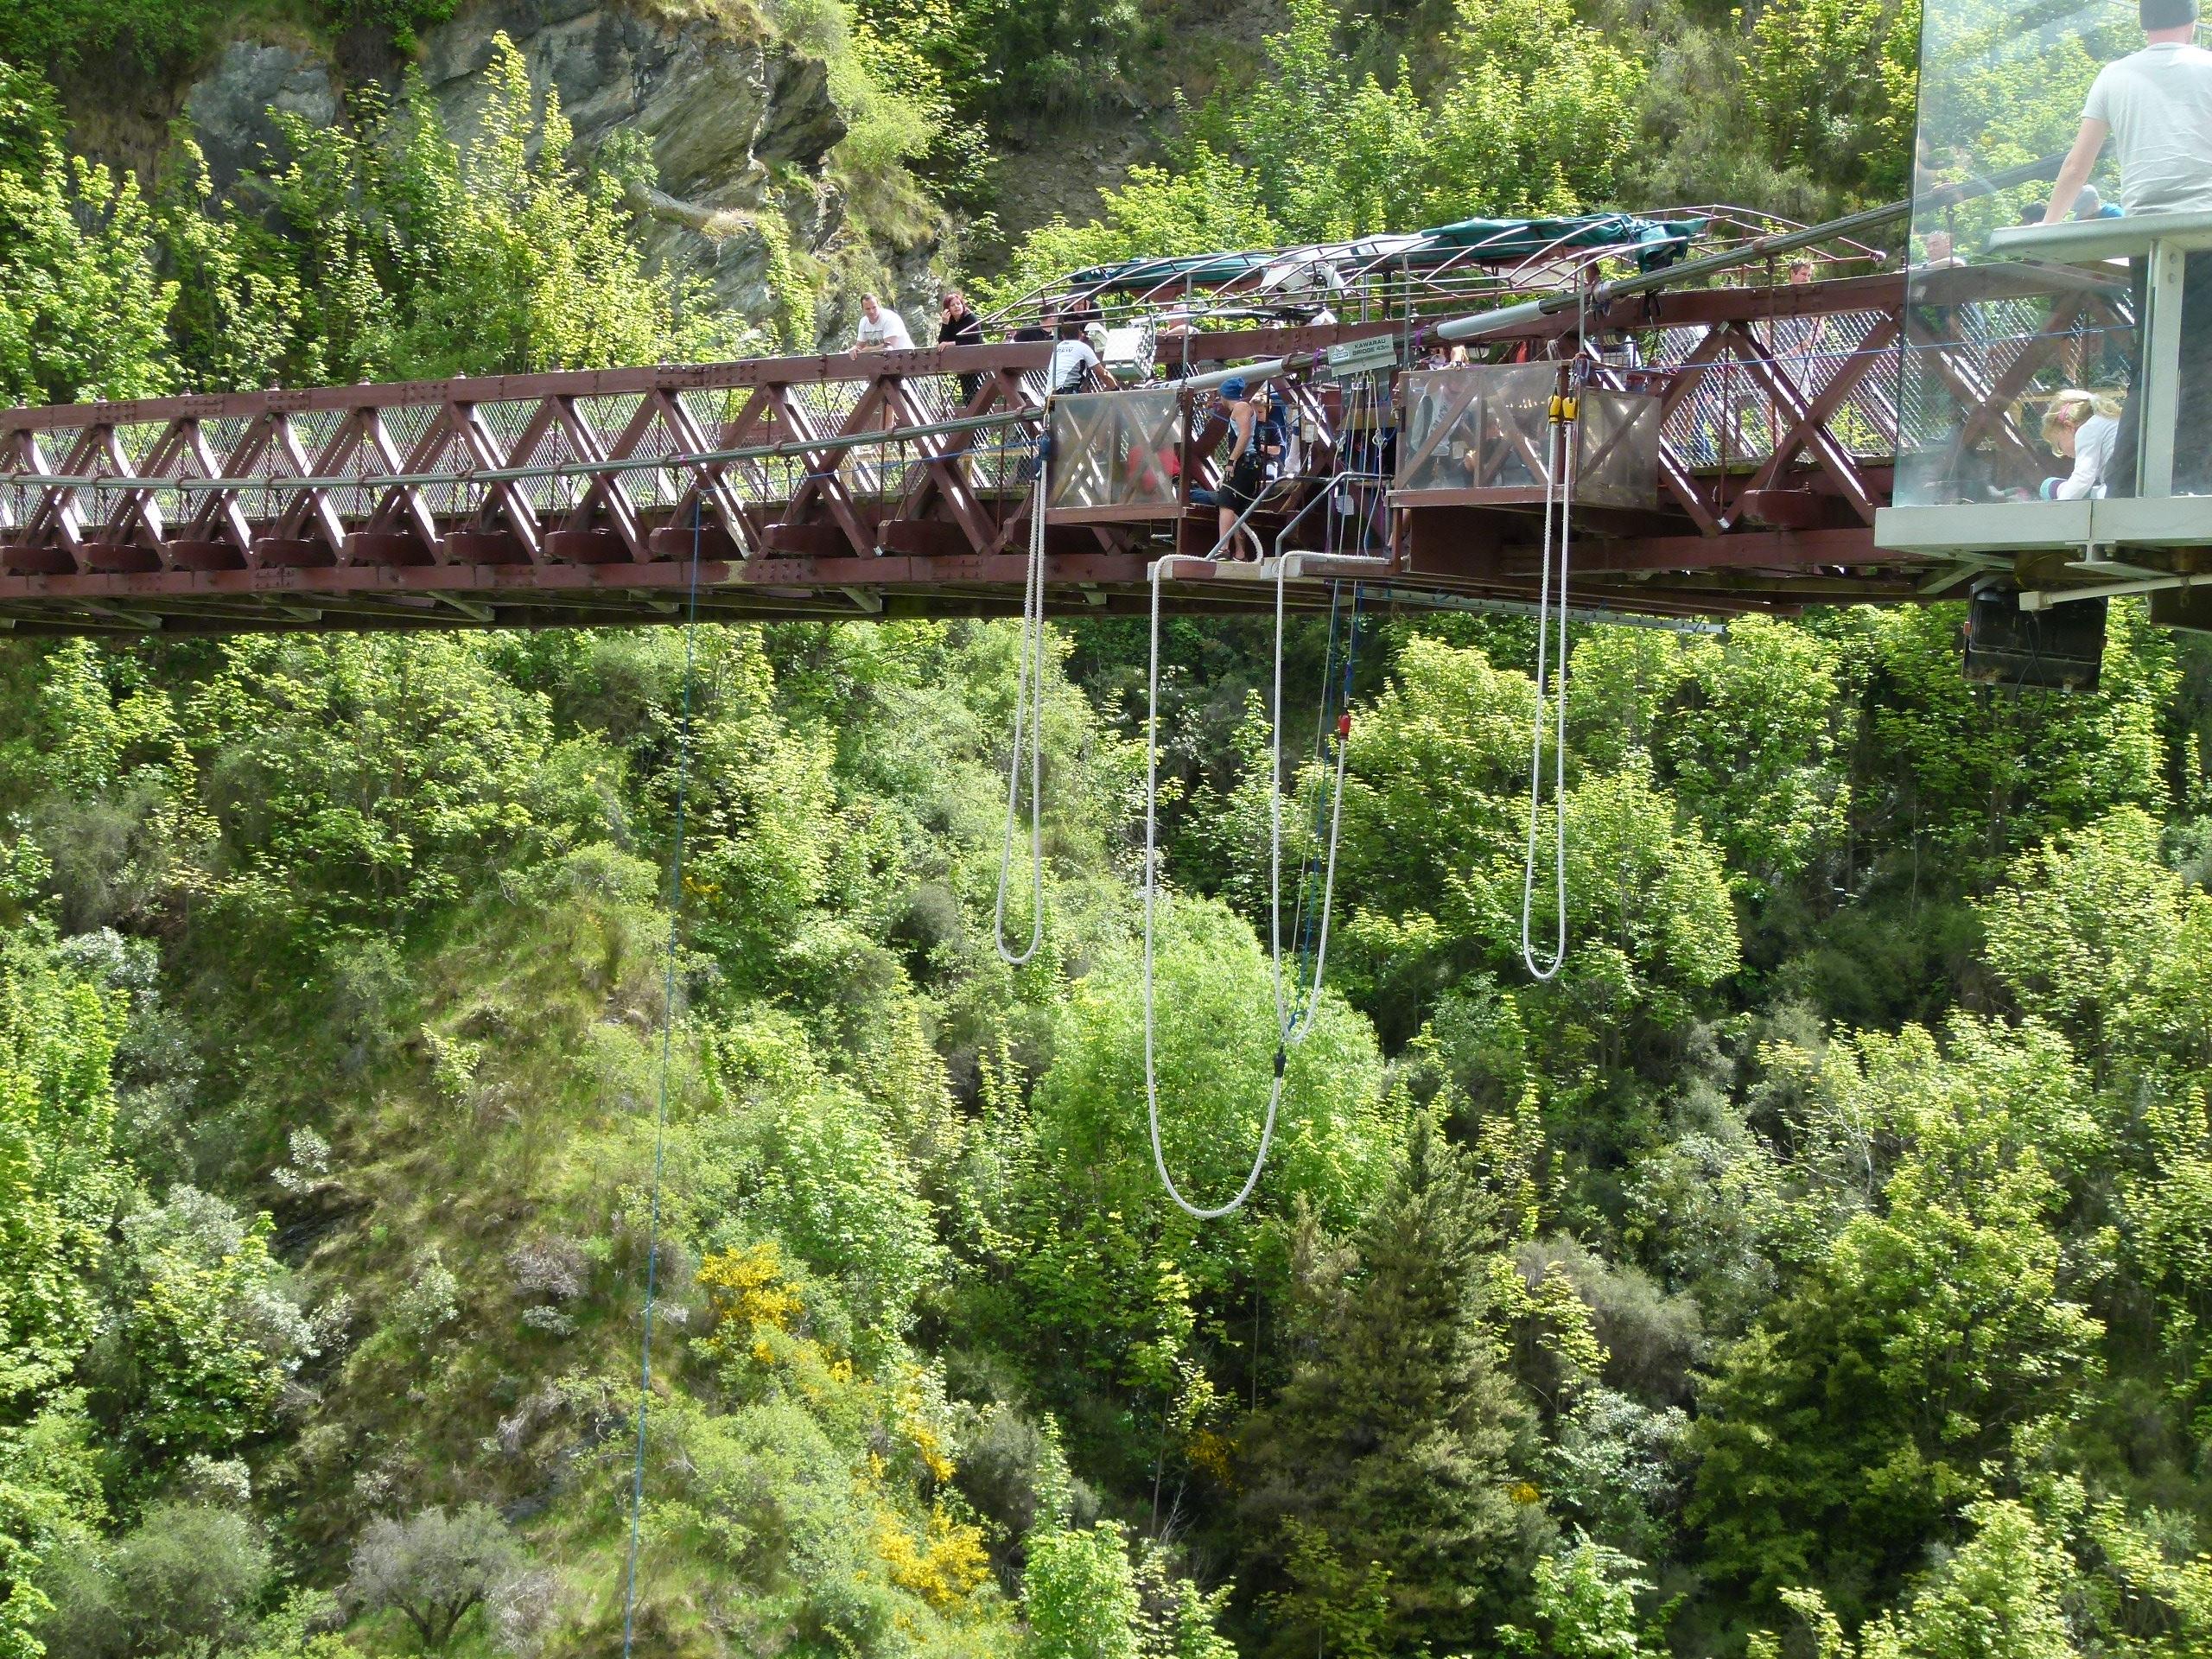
{"points": [[565, 498]]}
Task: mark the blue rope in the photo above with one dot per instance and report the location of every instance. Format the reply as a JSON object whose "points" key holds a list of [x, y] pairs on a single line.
{"points": [[1306, 917], [660, 1113], [1299, 921]]}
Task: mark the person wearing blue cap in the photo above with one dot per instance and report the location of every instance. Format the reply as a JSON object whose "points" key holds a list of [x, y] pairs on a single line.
{"points": [[1240, 476]]}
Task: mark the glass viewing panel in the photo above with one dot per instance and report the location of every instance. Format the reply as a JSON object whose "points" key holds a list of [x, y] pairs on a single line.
{"points": [[1479, 432], [2008, 353], [1616, 449], [1116, 449]]}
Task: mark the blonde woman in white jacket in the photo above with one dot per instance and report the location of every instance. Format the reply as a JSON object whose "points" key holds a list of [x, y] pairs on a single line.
{"points": [[2081, 428]]}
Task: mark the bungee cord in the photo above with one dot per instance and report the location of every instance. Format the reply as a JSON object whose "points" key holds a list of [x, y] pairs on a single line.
{"points": [[1151, 883], [1292, 1026], [1029, 704], [1302, 920], [1559, 452]]}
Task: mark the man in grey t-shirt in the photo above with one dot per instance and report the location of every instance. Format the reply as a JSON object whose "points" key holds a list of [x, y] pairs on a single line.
{"points": [[2156, 104]]}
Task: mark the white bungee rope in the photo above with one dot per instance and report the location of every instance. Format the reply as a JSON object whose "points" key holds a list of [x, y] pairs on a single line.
{"points": [[1291, 1029], [1029, 706], [1559, 480]]}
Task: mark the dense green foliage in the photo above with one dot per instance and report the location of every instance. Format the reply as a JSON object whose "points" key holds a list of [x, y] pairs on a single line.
{"points": [[1822, 1264], [1821, 1261], [1353, 120], [1744, 1281], [393, 247]]}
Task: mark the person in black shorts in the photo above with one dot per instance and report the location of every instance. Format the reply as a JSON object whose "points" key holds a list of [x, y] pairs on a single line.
{"points": [[1243, 476]]}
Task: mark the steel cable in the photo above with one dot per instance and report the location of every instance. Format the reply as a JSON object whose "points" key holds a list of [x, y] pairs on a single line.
{"points": [[1029, 698], [660, 1111]]}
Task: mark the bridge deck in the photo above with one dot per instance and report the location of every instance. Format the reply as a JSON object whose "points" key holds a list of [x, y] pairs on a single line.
{"points": [[845, 485]]}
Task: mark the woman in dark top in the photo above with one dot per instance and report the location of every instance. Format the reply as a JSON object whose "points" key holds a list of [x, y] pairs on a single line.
{"points": [[1241, 478], [957, 325]]}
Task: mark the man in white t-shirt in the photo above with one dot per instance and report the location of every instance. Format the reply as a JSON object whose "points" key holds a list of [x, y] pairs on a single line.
{"points": [[1075, 364], [2156, 105], [881, 328]]}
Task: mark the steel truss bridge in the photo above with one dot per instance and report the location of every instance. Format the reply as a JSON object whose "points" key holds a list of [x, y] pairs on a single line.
{"points": [[1754, 435]]}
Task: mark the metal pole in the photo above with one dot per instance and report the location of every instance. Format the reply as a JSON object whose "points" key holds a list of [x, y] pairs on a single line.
{"points": [[2042, 598]]}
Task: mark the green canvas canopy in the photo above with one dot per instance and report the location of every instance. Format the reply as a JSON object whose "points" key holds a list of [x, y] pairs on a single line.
{"points": [[1657, 242]]}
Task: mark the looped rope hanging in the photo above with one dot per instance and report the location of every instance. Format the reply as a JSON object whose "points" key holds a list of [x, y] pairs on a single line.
{"points": [[1029, 707], [1559, 480], [1290, 1030]]}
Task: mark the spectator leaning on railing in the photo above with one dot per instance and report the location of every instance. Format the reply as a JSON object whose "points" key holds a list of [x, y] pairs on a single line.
{"points": [[957, 325], [881, 328]]}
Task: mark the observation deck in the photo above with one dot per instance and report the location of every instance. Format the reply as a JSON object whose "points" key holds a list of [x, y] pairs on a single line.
{"points": [[2101, 372]]}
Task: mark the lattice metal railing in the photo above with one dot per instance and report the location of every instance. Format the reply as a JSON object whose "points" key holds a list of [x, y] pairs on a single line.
{"points": [[525, 469], [1761, 392]]}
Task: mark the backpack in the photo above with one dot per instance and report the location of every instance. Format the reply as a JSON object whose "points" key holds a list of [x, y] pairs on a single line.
{"points": [[1271, 437]]}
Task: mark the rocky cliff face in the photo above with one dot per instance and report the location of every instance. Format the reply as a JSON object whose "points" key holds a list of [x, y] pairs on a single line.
{"points": [[725, 113]]}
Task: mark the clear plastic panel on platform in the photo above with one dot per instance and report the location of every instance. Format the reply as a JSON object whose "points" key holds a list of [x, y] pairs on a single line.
{"points": [[1479, 432], [1477, 427], [1996, 334], [1616, 449], [1115, 450]]}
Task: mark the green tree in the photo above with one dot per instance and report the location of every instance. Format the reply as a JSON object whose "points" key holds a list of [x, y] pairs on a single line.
{"points": [[242, 319], [2093, 932], [1831, 84], [2169, 1211], [83, 307], [185, 1579], [1397, 1434], [805, 1157], [1753, 750], [2161, 1605], [1430, 879], [1584, 1598], [1937, 1314], [363, 776], [61, 1179], [50, 1500], [211, 1331], [435, 1567], [1957, 784], [1215, 1046], [418, 257], [1079, 1594], [1532, 111], [2000, 1595]]}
